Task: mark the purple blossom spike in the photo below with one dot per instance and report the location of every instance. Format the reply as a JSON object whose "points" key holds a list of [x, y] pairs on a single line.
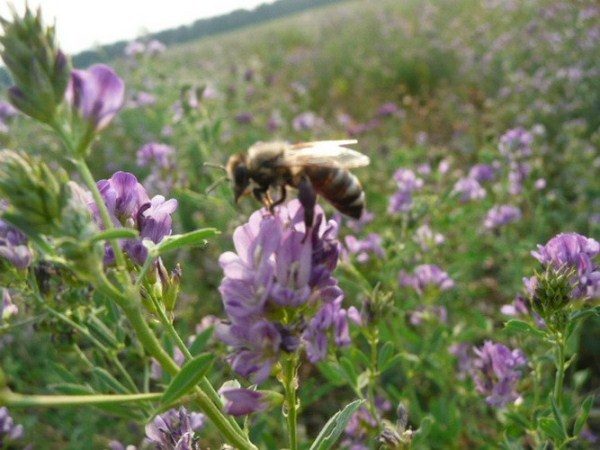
{"points": [[307, 121], [175, 429], [516, 143], [427, 238], [408, 183], [155, 153], [134, 49], [469, 189], [496, 372], [426, 276], [241, 402], [277, 267], [13, 246], [364, 249], [388, 109], [500, 216], [244, 118], [482, 172], [97, 94], [9, 431], [155, 47], [573, 251]]}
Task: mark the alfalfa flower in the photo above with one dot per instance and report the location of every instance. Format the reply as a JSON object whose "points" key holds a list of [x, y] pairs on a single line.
{"points": [[496, 371], [408, 183], [97, 94], [9, 309], [365, 249], [426, 276], [155, 153], [427, 238], [40, 71], [175, 429], [469, 189], [241, 402], [130, 206], [500, 216], [279, 293], [13, 246]]}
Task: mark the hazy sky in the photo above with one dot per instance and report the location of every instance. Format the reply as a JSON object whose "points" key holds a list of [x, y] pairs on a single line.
{"points": [[83, 23]]}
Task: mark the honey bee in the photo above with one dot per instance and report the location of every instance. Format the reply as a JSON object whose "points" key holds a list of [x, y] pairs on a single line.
{"points": [[312, 168]]}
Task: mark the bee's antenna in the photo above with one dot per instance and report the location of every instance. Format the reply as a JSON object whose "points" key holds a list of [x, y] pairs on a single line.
{"points": [[214, 185], [215, 166]]}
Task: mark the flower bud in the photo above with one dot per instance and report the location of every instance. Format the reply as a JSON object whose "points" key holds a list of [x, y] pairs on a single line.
{"points": [[34, 192], [40, 71]]}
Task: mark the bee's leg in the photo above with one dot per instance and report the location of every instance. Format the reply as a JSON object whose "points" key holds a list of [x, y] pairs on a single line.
{"points": [[269, 202], [281, 199], [308, 200], [260, 194]]}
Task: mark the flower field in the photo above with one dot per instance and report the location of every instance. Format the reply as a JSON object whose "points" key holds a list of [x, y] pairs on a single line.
{"points": [[144, 307]]}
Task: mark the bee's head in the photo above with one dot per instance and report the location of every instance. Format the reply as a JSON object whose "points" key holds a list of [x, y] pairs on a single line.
{"points": [[237, 170]]}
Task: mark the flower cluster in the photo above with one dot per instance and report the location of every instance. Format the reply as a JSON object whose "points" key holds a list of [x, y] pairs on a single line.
{"points": [[482, 172], [469, 189], [9, 431], [307, 121], [155, 153], [175, 429], [572, 251], [364, 248], [129, 206], [499, 216], [408, 183], [7, 112], [426, 276], [13, 246], [137, 48], [362, 424], [495, 371], [427, 238], [279, 292], [516, 146]]}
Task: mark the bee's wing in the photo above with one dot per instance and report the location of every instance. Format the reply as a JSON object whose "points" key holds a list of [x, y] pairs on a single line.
{"points": [[324, 153]]}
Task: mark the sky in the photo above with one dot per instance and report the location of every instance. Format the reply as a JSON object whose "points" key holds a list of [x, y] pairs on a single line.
{"points": [[82, 24]]}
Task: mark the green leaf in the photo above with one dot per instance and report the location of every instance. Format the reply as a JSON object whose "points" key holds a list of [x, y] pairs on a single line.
{"points": [[595, 311], [333, 373], [191, 239], [583, 415], [116, 233], [189, 376], [348, 369], [386, 352], [520, 326], [335, 426], [107, 381], [552, 429], [424, 429], [201, 341]]}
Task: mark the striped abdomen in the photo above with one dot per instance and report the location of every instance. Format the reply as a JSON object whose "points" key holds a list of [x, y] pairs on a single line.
{"points": [[339, 187]]}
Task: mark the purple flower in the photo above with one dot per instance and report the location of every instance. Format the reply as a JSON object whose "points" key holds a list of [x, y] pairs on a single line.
{"points": [[97, 94], [517, 176], [13, 246], [241, 402], [495, 372], [129, 206], [275, 266], [573, 251], [307, 121], [141, 99], [516, 143], [426, 276], [9, 431], [427, 238], [134, 48], [469, 189], [520, 307], [244, 118], [7, 112], [388, 109], [482, 172], [275, 121], [155, 47], [363, 248], [9, 309], [175, 429], [500, 216], [462, 353], [155, 153], [439, 313], [407, 183], [362, 424]]}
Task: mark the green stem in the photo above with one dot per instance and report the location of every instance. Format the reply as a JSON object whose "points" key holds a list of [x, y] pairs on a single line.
{"points": [[560, 369], [204, 382], [373, 337], [290, 385], [18, 400]]}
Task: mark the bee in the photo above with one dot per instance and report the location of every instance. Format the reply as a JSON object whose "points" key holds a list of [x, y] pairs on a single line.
{"points": [[313, 168]]}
